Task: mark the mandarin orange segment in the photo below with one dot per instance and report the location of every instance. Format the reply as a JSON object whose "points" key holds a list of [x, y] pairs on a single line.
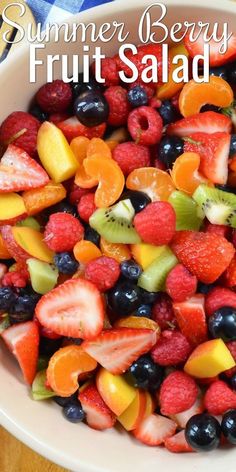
{"points": [[154, 182], [195, 95], [98, 146], [185, 173], [137, 322], [38, 199], [171, 88], [119, 252], [83, 180], [64, 368], [79, 147], [86, 251], [110, 177], [4, 254]]}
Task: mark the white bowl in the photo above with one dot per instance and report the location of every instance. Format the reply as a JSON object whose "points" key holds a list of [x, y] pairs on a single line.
{"points": [[40, 424]]}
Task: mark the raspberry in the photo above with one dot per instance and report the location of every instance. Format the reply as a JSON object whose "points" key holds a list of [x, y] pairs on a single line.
{"points": [[130, 156], [172, 348], [156, 223], [219, 398], [103, 272], [219, 297], [58, 117], [62, 232], [109, 72], [221, 230], [54, 97], [76, 193], [155, 102], [119, 106], [18, 122], [180, 283], [145, 126], [163, 313], [18, 279], [178, 393], [86, 206], [230, 274]]}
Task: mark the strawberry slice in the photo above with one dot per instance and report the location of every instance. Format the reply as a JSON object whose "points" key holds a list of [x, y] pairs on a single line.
{"points": [[207, 122], [178, 443], [23, 341], [191, 319], [73, 309], [117, 349], [216, 58], [98, 415], [18, 171], [154, 430], [72, 128]]}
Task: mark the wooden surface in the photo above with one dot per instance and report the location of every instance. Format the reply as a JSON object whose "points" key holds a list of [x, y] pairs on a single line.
{"points": [[15, 457]]}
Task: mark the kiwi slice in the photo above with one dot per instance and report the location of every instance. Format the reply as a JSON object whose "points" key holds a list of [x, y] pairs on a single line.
{"points": [[218, 206], [153, 278], [43, 276], [39, 390], [115, 223], [188, 214]]}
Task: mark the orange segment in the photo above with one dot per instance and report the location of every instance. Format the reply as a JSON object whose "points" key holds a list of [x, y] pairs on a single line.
{"points": [[83, 180], [79, 147], [119, 252], [171, 88], [154, 182], [98, 146], [185, 173], [194, 95], [138, 322], [110, 177], [64, 368], [4, 254], [85, 251], [38, 199]]}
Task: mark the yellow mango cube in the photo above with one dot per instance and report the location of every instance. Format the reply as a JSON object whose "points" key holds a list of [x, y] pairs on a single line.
{"points": [[209, 359], [145, 254], [115, 391]]}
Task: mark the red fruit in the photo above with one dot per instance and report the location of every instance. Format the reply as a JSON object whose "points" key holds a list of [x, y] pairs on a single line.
{"points": [[208, 122], [76, 193], [149, 89], [54, 97], [178, 393], [119, 106], [23, 341], [232, 347], [130, 156], [58, 117], [74, 308], [180, 283], [13, 248], [219, 297], [172, 348], [18, 279], [214, 153], [86, 206], [62, 232], [182, 418], [156, 223], [163, 313], [230, 274], [117, 349], [221, 230], [145, 126], [109, 72], [18, 171], [234, 238], [3, 271], [206, 255], [136, 59], [154, 430], [103, 272], [178, 443], [98, 415], [216, 58], [20, 128], [191, 319], [48, 333], [72, 128], [219, 398]]}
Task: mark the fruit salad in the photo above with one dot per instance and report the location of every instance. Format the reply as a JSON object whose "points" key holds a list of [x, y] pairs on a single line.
{"points": [[117, 247]]}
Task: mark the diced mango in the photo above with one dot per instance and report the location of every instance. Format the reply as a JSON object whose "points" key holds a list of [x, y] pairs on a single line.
{"points": [[145, 254], [55, 153], [209, 359], [32, 242], [134, 414], [11, 206], [115, 391]]}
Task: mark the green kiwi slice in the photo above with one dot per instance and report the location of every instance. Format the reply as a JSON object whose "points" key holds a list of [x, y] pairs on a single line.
{"points": [[188, 214], [115, 223], [153, 278], [218, 206]]}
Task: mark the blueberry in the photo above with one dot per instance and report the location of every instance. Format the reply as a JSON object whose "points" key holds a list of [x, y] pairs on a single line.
{"points": [[63, 207], [81, 87], [145, 373], [168, 112], [170, 147], [66, 263], [63, 401], [24, 306], [74, 412], [226, 188], [219, 72], [232, 150], [7, 298], [204, 288], [233, 382], [48, 346], [228, 426], [137, 96], [130, 270], [222, 324], [76, 341], [91, 234], [91, 108], [203, 432], [36, 111], [124, 298], [232, 73], [139, 200], [143, 310], [148, 297]]}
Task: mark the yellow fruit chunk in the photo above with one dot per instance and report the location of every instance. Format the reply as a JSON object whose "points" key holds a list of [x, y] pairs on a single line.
{"points": [[209, 359], [11, 206], [115, 391], [55, 153], [171, 88], [32, 242], [145, 254], [134, 414], [150, 405]]}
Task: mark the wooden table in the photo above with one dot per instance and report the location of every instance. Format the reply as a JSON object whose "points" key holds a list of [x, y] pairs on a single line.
{"points": [[16, 457]]}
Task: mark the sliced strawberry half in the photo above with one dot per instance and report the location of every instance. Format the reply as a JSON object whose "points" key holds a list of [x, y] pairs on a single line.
{"points": [[216, 58], [191, 319], [154, 430], [182, 418], [207, 122], [18, 171], [178, 443], [72, 128], [117, 349], [23, 341], [73, 309], [98, 415]]}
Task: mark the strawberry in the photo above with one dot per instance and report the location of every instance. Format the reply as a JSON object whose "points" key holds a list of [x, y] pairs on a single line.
{"points": [[207, 122], [182, 418], [74, 308], [191, 319], [214, 153], [230, 274], [23, 341], [73, 128], [178, 393], [21, 129], [154, 430], [98, 415], [18, 171], [117, 349], [178, 443], [219, 398], [206, 255], [216, 58]]}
